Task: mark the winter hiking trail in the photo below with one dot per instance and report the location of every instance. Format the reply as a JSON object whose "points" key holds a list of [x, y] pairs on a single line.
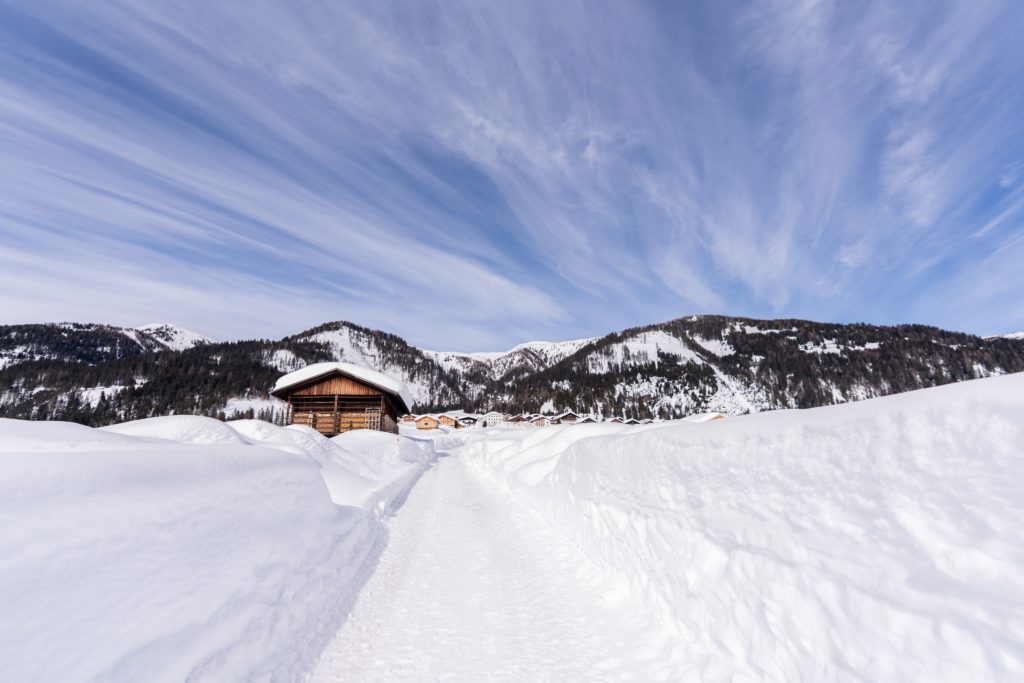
{"points": [[473, 586]]}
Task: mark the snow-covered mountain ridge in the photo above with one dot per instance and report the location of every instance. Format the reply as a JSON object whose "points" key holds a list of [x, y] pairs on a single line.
{"points": [[174, 338], [534, 355], [99, 374], [91, 343]]}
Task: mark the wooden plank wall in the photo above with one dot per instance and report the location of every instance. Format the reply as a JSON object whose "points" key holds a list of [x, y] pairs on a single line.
{"points": [[342, 386]]}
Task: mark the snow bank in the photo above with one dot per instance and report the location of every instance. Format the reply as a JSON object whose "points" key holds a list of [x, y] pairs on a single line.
{"points": [[183, 548], [881, 540], [183, 428]]}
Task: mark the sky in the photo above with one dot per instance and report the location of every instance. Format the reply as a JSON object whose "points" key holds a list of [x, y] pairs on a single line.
{"points": [[474, 175]]}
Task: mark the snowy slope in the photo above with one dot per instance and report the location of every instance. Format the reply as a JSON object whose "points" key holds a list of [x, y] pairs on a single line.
{"points": [[174, 338], [879, 540], [90, 343], [352, 345], [668, 370], [662, 391], [184, 548], [529, 356]]}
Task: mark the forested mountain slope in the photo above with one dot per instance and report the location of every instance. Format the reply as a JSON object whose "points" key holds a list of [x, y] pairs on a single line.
{"points": [[98, 374]]}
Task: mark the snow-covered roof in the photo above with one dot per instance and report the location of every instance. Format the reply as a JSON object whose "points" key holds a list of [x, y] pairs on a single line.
{"points": [[376, 379]]}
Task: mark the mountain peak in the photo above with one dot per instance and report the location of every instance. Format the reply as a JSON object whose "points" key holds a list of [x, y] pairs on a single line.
{"points": [[172, 337]]}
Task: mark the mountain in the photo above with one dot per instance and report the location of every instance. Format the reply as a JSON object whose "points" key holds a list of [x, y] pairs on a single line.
{"points": [[172, 337], [88, 343], [524, 358], [98, 374], [738, 365]]}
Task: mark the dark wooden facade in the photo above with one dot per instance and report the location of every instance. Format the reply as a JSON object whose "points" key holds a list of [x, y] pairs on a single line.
{"points": [[335, 402]]}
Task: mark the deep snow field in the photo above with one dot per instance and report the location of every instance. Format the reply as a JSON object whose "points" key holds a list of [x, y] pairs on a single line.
{"points": [[183, 548], [881, 540]]}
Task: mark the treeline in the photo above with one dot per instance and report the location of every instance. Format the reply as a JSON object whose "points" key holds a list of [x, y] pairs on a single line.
{"points": [[447, 389], [196, 381], [791, 362], [93, 375], [85, 343]]}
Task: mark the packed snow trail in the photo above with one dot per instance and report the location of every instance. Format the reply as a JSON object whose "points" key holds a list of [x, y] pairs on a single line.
{"points": [[475, 587]]}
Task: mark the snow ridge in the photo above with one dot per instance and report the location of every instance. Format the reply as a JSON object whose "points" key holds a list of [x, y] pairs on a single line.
{"points": [[172, 337], [870, 541], [185, 548]]}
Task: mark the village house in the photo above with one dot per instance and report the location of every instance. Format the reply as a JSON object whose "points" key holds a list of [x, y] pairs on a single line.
{"points": [[448, 421], [568, 417], [427, 422], [338, 397], [492, 418]]}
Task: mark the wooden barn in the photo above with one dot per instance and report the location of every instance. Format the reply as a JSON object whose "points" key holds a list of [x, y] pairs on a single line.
{"points": [[338, 397]]}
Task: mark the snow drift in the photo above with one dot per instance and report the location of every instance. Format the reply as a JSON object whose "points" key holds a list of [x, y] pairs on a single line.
{"points": [[881, 540], [184, 548]]}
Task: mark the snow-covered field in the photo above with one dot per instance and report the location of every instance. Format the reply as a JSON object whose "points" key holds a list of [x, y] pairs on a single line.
{"points": [[881, 540], [183, 548]]}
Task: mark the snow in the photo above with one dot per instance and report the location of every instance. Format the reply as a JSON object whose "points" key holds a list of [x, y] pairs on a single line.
{"points": [[184, 428], [377, 379], [285, 360], [183, 548], [878, 540], [719, 347], [172, 337], [641, 348], [554, 351], [238, 405], [472, 587], [535, 354], [827, 346], [93, 395], [869, 541], [360, 350]]}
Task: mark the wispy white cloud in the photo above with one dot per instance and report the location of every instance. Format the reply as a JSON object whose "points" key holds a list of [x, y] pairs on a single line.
{"points": [[481, 172]]}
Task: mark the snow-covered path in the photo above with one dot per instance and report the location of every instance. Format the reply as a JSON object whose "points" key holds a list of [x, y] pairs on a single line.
{"points": [[474, 587]]}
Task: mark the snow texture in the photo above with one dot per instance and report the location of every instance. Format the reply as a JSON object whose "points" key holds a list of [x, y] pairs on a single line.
{"points": [[184, 548], [472, 587], [174, 338], [879, 540], [360, 349], [536, 355], [372, 377]]}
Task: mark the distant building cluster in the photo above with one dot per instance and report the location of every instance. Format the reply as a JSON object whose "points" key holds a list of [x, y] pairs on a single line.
{"points": [[460, 420]]}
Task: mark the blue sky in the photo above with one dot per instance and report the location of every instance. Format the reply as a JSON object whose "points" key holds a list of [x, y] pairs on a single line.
{"points": [[475, 175]]}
